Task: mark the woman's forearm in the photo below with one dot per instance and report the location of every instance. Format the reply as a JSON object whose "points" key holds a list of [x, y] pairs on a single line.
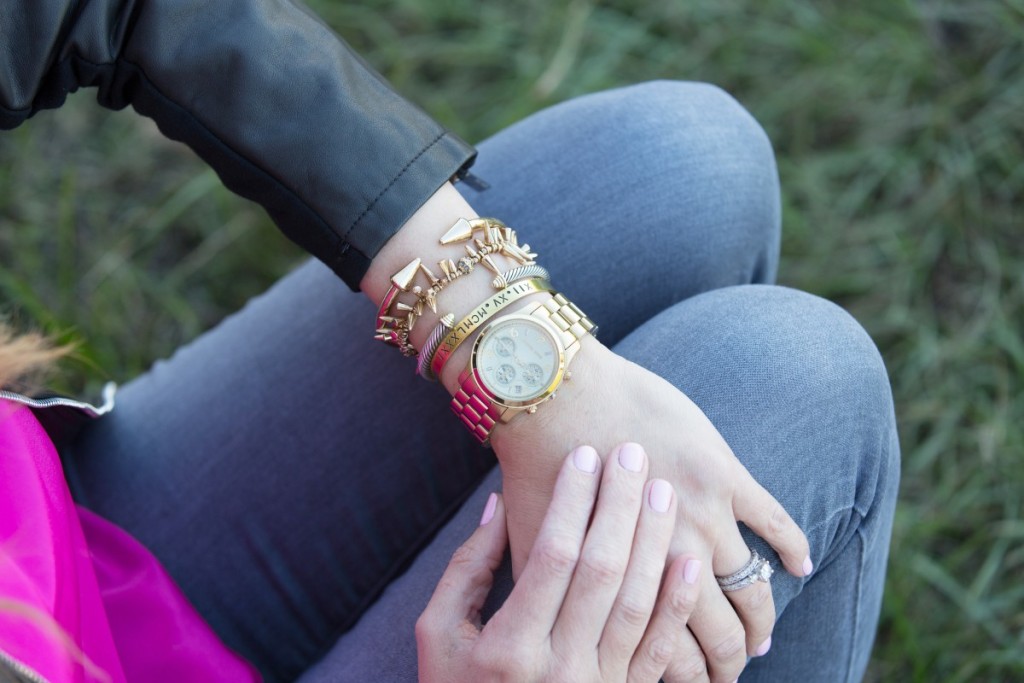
{"points": [[265, 93]]}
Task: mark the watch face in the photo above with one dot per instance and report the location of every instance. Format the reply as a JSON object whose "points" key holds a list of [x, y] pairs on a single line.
{"points": [[518, 360]]}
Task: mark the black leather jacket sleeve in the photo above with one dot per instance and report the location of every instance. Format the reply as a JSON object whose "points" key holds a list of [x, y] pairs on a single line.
{"points": [[266, 94]]}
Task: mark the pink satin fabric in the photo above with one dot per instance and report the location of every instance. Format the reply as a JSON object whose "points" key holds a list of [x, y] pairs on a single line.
{"points": [[80, 599]]}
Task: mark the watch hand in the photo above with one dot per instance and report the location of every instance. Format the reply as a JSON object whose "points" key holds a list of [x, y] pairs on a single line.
{"points": [[530, 346]]}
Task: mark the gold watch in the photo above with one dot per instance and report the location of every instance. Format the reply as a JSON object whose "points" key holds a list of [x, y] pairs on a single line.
{"points": [[518, 362]]}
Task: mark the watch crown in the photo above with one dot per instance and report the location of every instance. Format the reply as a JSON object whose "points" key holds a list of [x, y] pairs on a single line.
{"points": [[553, 396], [531, 410], [568, 375]]}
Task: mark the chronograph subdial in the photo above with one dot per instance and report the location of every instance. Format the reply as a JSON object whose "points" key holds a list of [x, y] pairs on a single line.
{"points": [[504, 346], [505, 373], [532, 374]]}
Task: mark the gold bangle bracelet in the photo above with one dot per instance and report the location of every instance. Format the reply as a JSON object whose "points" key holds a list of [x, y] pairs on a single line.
{"points": [[444, 326], [395, 319], [481, 314]]}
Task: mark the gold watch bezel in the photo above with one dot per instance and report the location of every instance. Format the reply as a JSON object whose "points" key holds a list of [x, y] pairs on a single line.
{"points": [[552, 387]]}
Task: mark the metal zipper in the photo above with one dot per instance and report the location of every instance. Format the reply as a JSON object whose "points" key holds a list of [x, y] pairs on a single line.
{"points": [[109, 389], [20, 669]]}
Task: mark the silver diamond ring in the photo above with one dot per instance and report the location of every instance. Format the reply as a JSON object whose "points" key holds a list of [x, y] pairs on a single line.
{"points": [[756, 569]]}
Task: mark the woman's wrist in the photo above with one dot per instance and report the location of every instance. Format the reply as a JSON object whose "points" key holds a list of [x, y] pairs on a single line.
{"points": [[419, 238], [546, 431]]}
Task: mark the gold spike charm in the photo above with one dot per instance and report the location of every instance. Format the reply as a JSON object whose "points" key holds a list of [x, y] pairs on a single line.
{"points": [[403, 278], [460, 232], [430, 276], [491, 265], [430, 299]]}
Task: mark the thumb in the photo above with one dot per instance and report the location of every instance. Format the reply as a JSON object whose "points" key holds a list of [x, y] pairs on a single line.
{"points": [[466, 582]]}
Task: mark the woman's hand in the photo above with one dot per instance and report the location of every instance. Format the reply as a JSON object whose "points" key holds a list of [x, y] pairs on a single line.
{"points": [[610, 401], [586, 606]]}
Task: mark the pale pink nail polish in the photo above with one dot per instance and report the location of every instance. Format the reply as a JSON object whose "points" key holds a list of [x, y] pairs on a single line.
{"points": [[585, 459], [691, 570], [631, 457], [763, 648], [808, 566], [660, 495], [492, 503]]}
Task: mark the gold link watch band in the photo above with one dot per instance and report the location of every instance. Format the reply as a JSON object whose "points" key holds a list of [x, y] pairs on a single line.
{"points": [[568, 318]]}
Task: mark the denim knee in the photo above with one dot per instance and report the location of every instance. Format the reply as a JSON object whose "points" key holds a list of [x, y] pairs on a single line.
{"points": [[695, 143], [669, 154]]}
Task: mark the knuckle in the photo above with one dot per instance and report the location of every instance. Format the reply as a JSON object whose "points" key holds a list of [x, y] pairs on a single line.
{"points": [[758, 598], [504, 660], [601, 569], [660, 651], [447, 585], [682, 601], [463, 557], [779, 521], [556, 555], [483, 658], [690, 668], [633, 612], [732, 646], [425, 628]]}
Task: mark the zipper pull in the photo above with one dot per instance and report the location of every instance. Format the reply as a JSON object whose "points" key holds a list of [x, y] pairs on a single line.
{"points": [[476, 182]]}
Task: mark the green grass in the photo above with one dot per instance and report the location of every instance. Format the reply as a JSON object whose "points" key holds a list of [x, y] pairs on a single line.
{"points": [[899, 128]]}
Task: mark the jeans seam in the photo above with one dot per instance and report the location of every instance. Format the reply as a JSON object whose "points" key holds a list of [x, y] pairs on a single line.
{"points": [[857, 606]]}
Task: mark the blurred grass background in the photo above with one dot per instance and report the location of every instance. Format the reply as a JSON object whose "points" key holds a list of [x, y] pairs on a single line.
{"points": [[899, 128]]}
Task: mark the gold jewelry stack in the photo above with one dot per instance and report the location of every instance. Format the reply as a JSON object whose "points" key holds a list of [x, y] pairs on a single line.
{"points": [[396, 319], [518, 360], [441, 332]]}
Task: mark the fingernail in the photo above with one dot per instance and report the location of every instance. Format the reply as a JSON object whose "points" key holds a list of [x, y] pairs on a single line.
{"points": [[808, 566], [763, 648], [585, 458], [691, 570], [492, 503], [660, 495], [631, 457]]}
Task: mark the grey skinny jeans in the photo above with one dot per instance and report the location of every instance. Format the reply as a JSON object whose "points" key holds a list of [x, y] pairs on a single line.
{"points": [[306, 490]]}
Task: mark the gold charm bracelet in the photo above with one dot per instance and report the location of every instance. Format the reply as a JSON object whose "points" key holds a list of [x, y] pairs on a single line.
{"points": [[396, 319]]}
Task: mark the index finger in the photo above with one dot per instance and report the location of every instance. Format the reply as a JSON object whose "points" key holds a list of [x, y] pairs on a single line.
{"points": [[537, 597], [470, 574], [766, 517]]}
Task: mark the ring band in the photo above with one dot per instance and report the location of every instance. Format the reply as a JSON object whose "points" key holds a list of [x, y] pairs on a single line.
{"points": [[756, 569]]}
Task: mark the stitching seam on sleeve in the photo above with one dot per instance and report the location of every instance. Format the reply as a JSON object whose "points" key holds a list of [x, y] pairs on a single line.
{"points": [[373, 203]]}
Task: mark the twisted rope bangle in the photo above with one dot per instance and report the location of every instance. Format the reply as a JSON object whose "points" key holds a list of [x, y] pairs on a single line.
{"points": [[502, 281]]}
